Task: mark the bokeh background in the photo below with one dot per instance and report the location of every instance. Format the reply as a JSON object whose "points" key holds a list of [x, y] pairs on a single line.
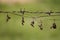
{"points": [[13, 30]]}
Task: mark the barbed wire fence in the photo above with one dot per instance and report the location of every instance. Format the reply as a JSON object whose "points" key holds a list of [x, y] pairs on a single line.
{"points": [[22, 12]]}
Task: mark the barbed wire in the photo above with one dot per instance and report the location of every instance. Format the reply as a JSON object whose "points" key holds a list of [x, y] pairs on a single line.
{"points": [[34, 17], [23, 11]]}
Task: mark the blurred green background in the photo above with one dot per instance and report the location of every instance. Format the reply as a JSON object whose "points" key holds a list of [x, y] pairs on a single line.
{"points": [[13, 30]]}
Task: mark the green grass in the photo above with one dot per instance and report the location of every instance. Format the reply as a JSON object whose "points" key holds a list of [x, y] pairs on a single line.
{"points": [[13, 30]]}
